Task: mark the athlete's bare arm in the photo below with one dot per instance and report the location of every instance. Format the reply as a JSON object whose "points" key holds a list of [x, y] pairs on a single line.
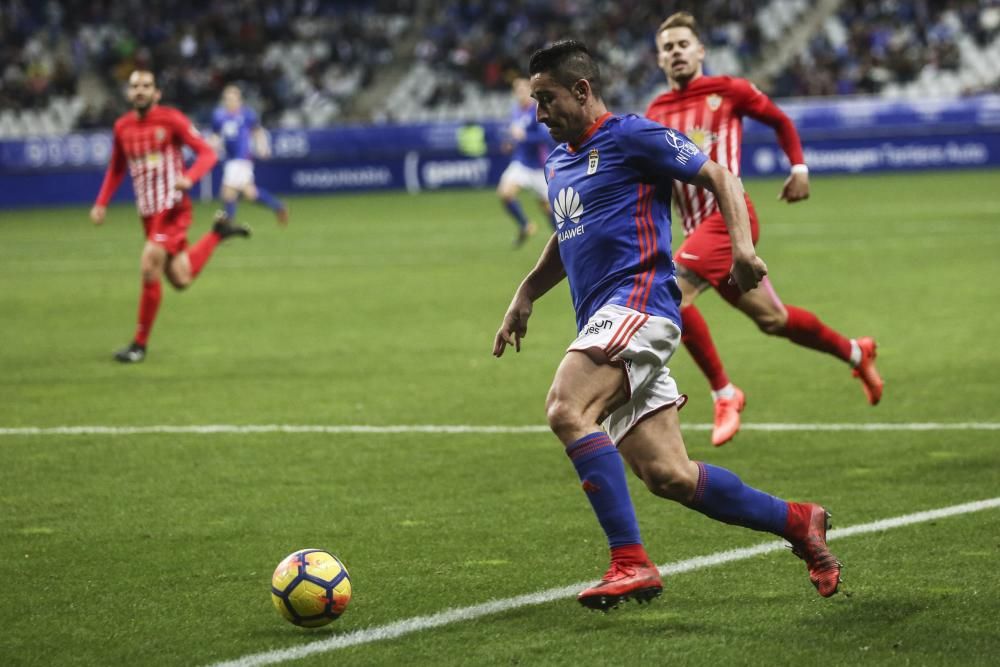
{"points": [[748, 269], [548, 273]]}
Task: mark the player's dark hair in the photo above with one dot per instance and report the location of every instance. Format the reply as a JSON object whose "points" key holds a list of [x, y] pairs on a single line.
{"points": [[567, 61], [680, 20]]}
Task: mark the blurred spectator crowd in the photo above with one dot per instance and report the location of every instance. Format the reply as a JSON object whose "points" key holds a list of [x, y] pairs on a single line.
{"points": [[306, 63], [869, 45], [288, 54], [487, 42]]}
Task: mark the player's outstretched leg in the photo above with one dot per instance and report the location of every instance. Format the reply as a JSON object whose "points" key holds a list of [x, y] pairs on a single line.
{"points": [[722, 495], [631, 574], [729, 399], [525, 228], [580, 390], [655, 451], [804, 328], [279, 209], [185, 266]]}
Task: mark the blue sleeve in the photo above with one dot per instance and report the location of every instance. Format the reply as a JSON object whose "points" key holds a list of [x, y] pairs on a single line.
{"points": [[216, 121], [660, 151], [252, 120]]}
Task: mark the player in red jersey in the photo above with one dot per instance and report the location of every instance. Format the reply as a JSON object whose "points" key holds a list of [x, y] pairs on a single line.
{"points": [[710, 110], [149, 140]]}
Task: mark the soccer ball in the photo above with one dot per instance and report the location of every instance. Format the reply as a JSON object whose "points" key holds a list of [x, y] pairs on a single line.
{"points": [[311, 588]]}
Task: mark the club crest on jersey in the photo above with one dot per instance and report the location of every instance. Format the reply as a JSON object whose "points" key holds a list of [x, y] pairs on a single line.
{"points": [[714, 101], [160, 134], [592, 161], [702, 138]]}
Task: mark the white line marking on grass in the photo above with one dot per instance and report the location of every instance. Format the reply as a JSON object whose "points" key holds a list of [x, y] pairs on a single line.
{"points": [[419, 623], [211, 429]]}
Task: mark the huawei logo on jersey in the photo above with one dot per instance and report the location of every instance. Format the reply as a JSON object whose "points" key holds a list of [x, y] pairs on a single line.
{"points": [[567, 206]]}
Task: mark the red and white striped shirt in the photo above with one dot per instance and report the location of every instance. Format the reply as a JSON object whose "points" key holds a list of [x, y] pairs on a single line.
{"points": [[710, 112], [151, 146]]}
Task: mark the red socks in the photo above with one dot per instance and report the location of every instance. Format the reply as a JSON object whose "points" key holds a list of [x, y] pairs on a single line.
{"points": [[804, 328], [149, 303], [630, 553], [698, 340], [199, 253]]}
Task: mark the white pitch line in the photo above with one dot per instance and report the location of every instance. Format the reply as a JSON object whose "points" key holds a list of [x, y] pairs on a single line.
{"points": [[447, 617], [212, 429]]}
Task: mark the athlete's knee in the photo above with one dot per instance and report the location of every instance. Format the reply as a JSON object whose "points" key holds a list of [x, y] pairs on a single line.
{"points": [[564, 417], [689, 289], [151, 267], [667, 480], [771, 322], [179, 279], [150, 274]]}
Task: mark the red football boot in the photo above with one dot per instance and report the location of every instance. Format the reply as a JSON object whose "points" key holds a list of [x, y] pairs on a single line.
{"points": [[727, 417], [824, 568], [871, 381], [623, 581]]}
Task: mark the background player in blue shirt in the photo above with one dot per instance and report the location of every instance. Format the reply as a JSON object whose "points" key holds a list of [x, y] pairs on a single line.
{"points": [[529, 146], [609, 184], [238, 133]]}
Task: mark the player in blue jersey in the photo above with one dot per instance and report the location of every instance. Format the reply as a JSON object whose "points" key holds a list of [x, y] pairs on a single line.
{"points": [[237, 132], [529, 145], [612, 397]]}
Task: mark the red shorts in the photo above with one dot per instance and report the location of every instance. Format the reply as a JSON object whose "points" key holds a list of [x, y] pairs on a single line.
{"points": [[169, 228], [707, 252]]}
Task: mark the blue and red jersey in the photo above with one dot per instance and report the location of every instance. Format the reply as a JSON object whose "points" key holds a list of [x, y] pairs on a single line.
{"points": [[610, 196], [536, 145], [235, 128]]}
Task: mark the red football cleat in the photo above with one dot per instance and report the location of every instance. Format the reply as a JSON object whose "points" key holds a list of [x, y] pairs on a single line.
{"points": [[871, 381], [623, 581], [824, 568], [727, 417]]}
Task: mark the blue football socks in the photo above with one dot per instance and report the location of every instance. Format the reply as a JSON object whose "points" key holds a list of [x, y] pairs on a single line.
{"points": [[602, 472], [517, 211], [723, 496], [267, 199], [230, 209]]}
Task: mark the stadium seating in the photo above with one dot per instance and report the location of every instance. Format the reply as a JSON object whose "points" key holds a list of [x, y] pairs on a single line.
{"points": [[313, 63]]}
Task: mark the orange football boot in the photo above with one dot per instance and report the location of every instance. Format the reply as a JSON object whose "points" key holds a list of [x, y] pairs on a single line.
{"points": [[727, 417], [871, 381]]}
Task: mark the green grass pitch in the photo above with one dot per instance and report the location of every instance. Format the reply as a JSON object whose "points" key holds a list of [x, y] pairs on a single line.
{"points": [[157, 549]]}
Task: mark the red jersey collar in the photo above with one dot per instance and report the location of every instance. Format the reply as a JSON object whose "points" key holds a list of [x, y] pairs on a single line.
{"points": [[589, 133]]}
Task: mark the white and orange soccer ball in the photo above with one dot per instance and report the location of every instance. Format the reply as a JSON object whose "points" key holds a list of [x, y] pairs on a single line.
{"points": [[311, 587]]}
